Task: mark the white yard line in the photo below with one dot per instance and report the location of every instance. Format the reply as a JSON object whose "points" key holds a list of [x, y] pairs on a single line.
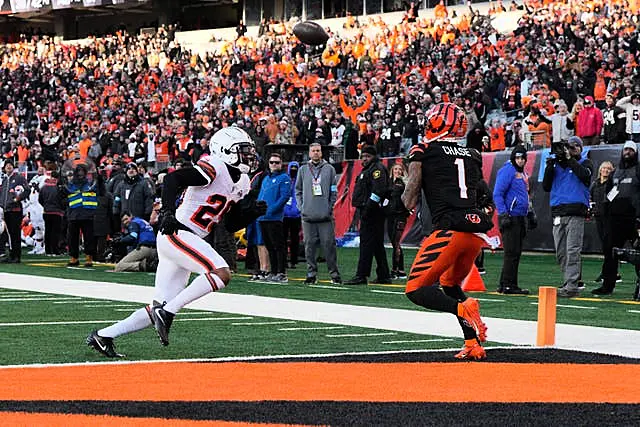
{"points": [[620, 342], [579, 307], [372, 334], [377, 291], [37, 299], [412, 341], [85, 322], [327, 287], [319, 328], [278, 322]]}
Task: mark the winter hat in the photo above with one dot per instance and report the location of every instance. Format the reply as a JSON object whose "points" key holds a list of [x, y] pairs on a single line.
{"points": [[630, 144], [369, 149]]}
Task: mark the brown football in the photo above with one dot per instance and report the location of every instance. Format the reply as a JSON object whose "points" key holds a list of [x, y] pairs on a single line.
{"points": [[310, 33]]}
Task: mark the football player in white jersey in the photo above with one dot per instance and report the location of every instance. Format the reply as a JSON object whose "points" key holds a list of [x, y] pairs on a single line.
{"points": [[216, 185]]}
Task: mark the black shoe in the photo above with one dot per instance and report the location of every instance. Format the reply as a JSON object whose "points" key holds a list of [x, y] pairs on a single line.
{"points": [[311, 280], [598, 279], [602, 291], [162, 320], [618, 278], [383, 281], [500, 290], [336, 280], [103, 345], [515, 291], [566, 293], [356, 281], [482, 270]]}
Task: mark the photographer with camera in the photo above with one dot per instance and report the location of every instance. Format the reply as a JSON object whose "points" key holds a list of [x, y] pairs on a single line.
{"points": [[621, 214], [140, 241], [567, 177]]}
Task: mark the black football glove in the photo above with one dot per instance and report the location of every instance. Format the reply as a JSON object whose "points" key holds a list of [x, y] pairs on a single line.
{"points": [[168, 222]]}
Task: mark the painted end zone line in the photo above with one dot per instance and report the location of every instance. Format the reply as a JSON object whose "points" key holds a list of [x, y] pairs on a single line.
{"points": [[412, 341]]}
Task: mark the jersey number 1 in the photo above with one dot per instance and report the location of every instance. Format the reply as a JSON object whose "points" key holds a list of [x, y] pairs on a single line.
{"points": [[215, 207], [462, 182]]}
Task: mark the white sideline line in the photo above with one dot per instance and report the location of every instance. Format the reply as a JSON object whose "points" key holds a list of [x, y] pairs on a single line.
{"points": [[85, 322], [77, 301], [202, 319], [259, 358], [633, 311], [612, 341], [111, 305], [311, 329], [37, 299], [74, 322], [264, 323], [372, 334], [579, 307], [490, 300], [11, 293], [377, 291], [327, 287], [412, 341]]}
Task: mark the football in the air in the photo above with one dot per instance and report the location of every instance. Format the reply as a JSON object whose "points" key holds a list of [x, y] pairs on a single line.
{"points": [[310, 33]]}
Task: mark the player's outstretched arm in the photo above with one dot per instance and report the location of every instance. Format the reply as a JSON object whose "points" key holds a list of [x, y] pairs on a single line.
{"points": [[243, 213], [412, 189]]}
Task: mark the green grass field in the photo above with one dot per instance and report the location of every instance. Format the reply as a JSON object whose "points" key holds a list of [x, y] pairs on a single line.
{"points": [[45, 328]]}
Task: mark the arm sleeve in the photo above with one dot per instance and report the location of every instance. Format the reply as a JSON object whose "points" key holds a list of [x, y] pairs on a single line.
{"points": [[148, 200], [379, 184], [177, 181], [583, 171], [133, 232], [547, 181], [284, 192]]}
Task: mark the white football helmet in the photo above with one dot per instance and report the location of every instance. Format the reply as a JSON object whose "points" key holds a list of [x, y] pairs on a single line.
{"points": [[235, 147]]}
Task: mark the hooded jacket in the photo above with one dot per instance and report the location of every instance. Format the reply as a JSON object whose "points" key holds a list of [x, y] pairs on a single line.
{"points": [[511, 191], [590, 122], [291, 208]]}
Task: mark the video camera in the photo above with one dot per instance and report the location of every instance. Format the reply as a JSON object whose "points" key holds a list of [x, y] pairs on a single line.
{"points": [[632, 256], [559, 149]]}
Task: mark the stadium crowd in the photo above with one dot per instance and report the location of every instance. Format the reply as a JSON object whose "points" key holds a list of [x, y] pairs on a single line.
{"points": [[126, 109]]}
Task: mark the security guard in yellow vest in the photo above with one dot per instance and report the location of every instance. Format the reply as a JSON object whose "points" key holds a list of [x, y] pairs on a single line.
{"points": [[82, 202]]}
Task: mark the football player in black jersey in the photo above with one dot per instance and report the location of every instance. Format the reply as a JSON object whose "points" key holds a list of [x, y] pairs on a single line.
{"points": [[450, 176]]}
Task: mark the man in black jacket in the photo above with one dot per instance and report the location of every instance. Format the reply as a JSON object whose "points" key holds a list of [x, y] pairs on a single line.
{"points": [[133, 195], [13, 190], [621, 214], [368, 196]]}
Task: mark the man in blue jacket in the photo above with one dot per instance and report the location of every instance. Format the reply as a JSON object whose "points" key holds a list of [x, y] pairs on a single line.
{"points": [[511, 196], [292, 221], [141, 240], [276, 191], [567, 177]]}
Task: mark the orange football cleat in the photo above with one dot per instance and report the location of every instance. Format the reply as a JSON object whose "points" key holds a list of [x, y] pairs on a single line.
{"points": [[471, 351], [469, 310]]}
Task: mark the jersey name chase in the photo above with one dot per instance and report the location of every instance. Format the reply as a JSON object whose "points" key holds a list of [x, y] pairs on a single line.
{"points": [[456, 151]]}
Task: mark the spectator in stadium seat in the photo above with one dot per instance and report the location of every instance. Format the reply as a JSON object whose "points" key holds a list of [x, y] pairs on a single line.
{"points": [[316, 193], [631, 105], [590, 122], [567, 177], [562, 127], [614, 119]]}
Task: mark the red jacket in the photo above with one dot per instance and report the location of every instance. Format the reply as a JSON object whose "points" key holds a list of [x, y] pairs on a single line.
{"points": [[590, 122]]}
